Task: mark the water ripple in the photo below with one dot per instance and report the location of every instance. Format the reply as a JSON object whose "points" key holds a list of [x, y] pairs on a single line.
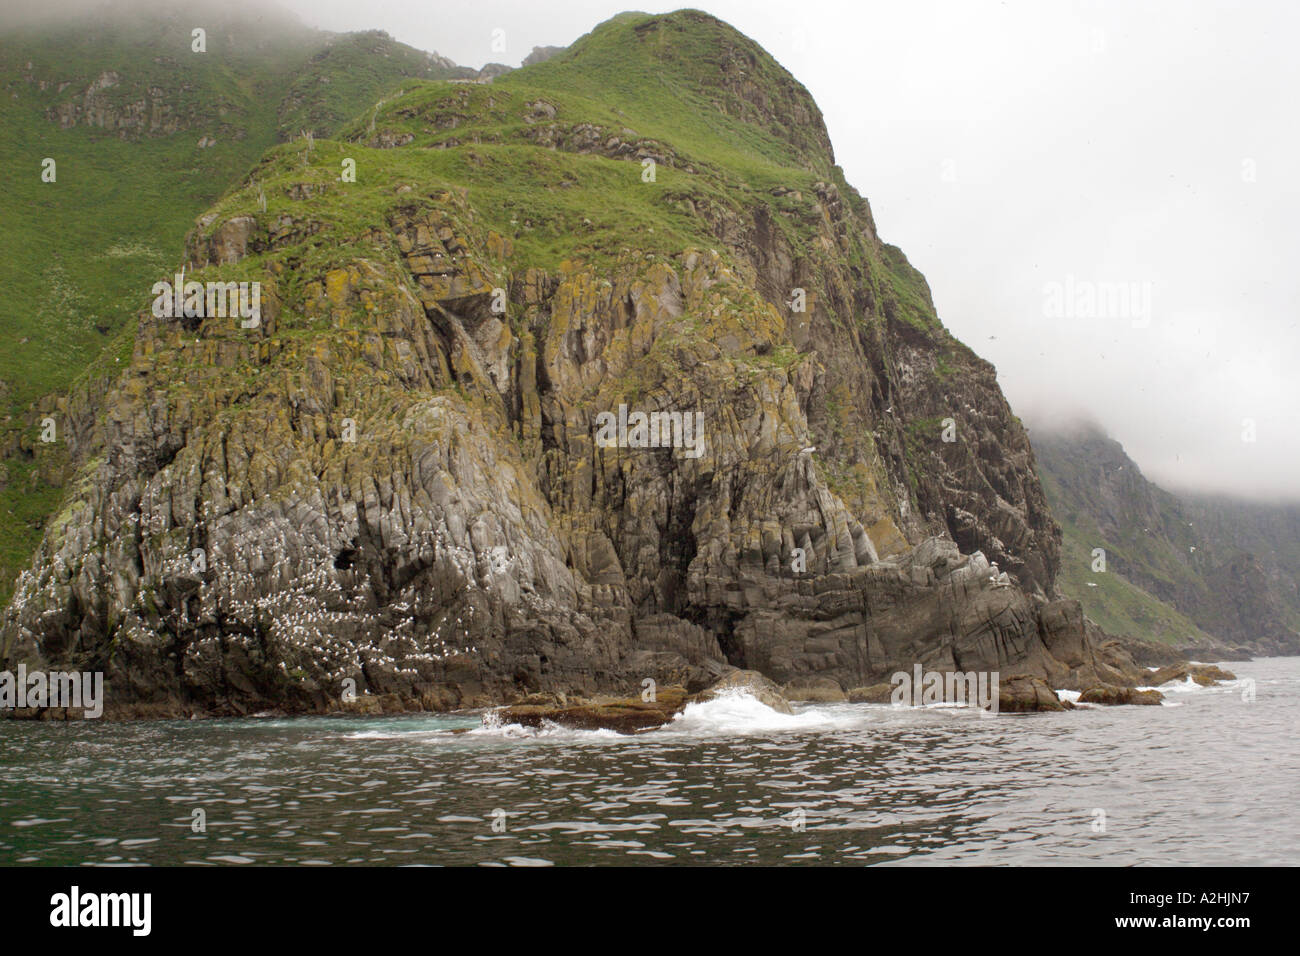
{"points": [[1210, 782]]}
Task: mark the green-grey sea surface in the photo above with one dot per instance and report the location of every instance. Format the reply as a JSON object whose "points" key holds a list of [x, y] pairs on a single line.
{"points": [[1212, 777]]}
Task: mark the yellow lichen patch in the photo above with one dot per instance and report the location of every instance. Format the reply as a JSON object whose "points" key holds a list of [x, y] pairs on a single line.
{"points": [[337, 282], [886, 538]]}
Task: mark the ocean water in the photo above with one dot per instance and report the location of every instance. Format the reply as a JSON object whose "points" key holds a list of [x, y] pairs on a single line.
{"points": [[1209, 778]]}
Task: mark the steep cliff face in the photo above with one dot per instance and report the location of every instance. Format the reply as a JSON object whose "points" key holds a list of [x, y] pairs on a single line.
{"points": [[402, 477], [1258, 572], [1224, 570], [134, 133]]}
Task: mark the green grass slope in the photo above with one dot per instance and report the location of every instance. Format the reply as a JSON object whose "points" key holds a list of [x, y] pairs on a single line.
{"points": [[79, 255], [1109, 598]]}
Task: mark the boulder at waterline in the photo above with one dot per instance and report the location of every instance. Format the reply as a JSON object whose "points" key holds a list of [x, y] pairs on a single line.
{"points": [[1111, 695]]}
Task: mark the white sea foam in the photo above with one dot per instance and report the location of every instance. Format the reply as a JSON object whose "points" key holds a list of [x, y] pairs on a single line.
{"points": [[736, 712], [731, 713], [1185, 686], [1071, 695], [493, 726]]}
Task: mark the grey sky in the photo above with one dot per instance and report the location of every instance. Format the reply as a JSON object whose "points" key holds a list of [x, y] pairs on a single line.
{"points": [[1007, 146]]}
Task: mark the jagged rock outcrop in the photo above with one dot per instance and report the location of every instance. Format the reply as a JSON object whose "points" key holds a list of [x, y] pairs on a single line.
{"points": [[623, 715], [751, 683], [632, 715], [396, 483], [1022, 694], [818, 689], [1112, 696], [1206, 675]]}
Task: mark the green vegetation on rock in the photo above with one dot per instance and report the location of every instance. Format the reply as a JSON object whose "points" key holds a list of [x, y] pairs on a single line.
{"points": [[145, 134], [396, 477]]}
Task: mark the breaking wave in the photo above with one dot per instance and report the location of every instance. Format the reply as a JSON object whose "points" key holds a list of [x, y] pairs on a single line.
{"points": [[737, 712]]}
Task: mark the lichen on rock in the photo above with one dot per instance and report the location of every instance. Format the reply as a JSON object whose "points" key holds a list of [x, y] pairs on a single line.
{"points": [[392, 487]]}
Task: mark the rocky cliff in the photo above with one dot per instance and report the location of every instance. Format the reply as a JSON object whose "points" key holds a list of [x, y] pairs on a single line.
{"points": [[129, 132], [399, 478]]}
